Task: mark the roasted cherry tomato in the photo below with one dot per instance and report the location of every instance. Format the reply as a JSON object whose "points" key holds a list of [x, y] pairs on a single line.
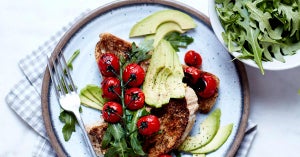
{"points": [[148, 125], [192, 58], [112, 112], [134, 98], [109, 64], [111, 88], [206, 85], [133, 75], [191, 75], [165, 155]]}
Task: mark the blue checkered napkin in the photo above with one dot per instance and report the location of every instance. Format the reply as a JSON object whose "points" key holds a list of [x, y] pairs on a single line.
{"points": [[25, 98]]}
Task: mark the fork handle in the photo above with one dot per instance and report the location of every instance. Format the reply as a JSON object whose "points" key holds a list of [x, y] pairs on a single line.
{"points": [[85, 135]]}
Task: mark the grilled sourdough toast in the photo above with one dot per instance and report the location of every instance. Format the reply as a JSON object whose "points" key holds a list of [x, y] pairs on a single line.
{"points": [[176, 121], [113, 44], [96, 132], [177, 118]]}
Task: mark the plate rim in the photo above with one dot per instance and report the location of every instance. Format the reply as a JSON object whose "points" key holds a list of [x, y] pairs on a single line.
{"points": [[117, 4]]}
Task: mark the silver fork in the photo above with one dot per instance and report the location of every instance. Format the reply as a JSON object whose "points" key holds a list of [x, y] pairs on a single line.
{"points": [[66, 93]]}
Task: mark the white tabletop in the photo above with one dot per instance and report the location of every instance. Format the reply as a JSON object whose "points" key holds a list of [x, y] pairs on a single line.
{"points": [[25, 25]]}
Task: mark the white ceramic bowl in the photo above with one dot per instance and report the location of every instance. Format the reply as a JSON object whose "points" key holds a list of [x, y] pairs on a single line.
{"points": [[290, 61]]}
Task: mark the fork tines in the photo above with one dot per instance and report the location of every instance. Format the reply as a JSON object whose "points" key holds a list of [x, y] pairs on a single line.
{"points": [[60, 75]]}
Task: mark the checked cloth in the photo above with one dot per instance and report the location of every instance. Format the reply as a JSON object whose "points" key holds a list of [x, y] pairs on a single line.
{"points": [[25, 97]]}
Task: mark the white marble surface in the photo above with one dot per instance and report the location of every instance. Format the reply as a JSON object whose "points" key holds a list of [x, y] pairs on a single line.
{"points": [[275, 103]]}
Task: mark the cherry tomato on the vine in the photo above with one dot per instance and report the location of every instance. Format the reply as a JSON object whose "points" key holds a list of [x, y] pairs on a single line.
{"points": [[192, 58], [111, 88], [206, 85], [133, 75], [134, 98], [109, 64], [112, 112], [191, 75], [148, 125]]}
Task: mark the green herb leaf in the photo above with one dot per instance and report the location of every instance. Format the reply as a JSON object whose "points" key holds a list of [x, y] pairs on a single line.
{"points": [[116, 131], [132, 129], [69, 126], [118, 145], [141, 53], [278, 23], [72, 58], [178, 40], [106, 139]]}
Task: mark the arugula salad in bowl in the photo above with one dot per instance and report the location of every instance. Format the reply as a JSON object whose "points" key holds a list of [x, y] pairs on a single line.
{"points": [[261, 33]]}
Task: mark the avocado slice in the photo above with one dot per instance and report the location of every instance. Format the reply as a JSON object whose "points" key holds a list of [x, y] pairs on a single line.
{"points": [[199, 155], [175, 86], [163, 30], [150, 24], [91, 96], [154, 84], [208, 129], [164, 76], [220, 138], [162, 95]]}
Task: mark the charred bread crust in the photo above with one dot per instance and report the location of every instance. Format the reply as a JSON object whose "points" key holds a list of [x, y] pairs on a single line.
{"points": [[113, 44], [205, 105], [96, 133], [174, 118]]}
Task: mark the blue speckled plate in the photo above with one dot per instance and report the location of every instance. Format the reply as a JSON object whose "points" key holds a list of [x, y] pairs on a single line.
{"points": [[117, 18]]}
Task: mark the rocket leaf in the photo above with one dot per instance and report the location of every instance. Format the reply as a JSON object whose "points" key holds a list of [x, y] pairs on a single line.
{"points": [[261, 30]]}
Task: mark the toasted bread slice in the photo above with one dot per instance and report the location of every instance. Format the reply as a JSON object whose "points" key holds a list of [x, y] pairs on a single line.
{"points": [[116, 45], [96, 132], [113, 44], [206, 104], [176, 121]]}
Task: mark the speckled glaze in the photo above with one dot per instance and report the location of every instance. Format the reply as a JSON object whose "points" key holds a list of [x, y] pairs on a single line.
{"points": [[117, 18]]}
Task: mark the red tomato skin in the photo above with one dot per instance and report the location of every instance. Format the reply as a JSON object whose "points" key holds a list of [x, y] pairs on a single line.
{"points": [[134, 72], [111, 88], [112, 112], [148, 125], [108, 63], [210, 85], [193, 58], [165, 155], [191, 75], [134, 98]]}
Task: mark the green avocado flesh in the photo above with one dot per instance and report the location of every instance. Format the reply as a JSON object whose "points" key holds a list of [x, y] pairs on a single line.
{"points": [[164, 76], [91, 96], [208, 129], [199, 155], [220, 138], [163, 30], [150, 24]]}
